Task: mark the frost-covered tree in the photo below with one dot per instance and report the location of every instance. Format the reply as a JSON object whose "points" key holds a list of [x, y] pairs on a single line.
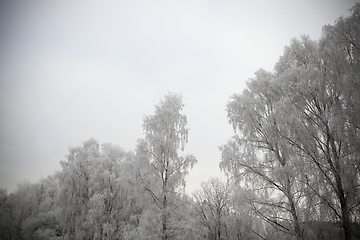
{"points": [[5, 218], [110, 205], [165, 134], [259, 157], [75, 184], [29, 212], [222, 211], [322, 88], [103, 192], [298, 129], [97, 196], [212, 207]]}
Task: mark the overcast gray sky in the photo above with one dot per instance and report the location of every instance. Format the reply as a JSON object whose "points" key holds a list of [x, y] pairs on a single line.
{"points": [[71, 70]]}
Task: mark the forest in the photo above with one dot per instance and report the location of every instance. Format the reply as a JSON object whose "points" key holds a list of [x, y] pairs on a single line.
{"points": [[292, 166]]}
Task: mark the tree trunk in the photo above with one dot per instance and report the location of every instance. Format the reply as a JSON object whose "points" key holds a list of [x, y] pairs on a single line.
{"points": [[164, 225], [164, 216], [219, 226], [345, 219], [297, 229]]}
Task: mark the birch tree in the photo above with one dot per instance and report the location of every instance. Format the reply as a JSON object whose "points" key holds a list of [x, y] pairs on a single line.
{"points": [[165, 134], [212, 207], [321, 84], [257, 155], [297, 128]]}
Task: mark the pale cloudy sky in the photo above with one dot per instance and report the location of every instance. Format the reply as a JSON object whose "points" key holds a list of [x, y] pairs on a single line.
{"points": [[71, 70]]}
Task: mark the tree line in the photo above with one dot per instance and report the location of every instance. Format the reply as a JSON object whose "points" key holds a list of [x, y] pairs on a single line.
{"points": [[292, 166]]}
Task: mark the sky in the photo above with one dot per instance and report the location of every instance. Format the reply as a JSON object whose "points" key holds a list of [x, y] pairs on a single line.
{"points": [[71, 70]]}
